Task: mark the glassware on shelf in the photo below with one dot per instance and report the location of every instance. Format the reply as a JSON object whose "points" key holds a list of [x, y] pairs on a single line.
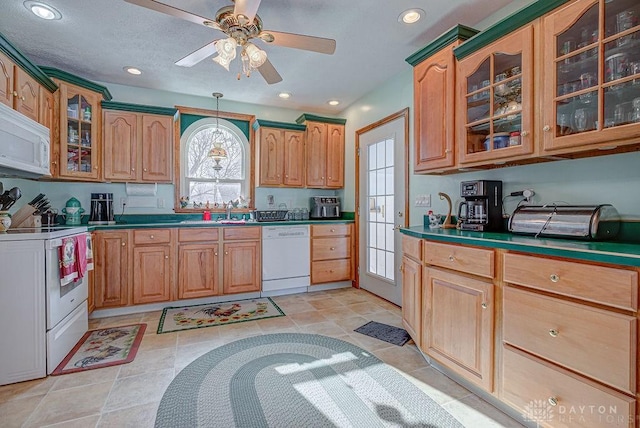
{"points": [[584, 119], [616, 66], [635, 114], [625, 20]]}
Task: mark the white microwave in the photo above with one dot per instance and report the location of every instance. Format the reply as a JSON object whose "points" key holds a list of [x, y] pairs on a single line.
{"points": [[24, 145]]}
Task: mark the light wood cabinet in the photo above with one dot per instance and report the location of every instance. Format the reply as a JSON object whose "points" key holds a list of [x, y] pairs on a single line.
{"points": [[46, 117], [18, 90], [458, 324], [331, 253], [280, 157], [325, 155], [152, 265], [80, 133], [494, 121], [137, 147], [412, 287], [198, 263], [111, 269], [591, 89], [242, 270]]}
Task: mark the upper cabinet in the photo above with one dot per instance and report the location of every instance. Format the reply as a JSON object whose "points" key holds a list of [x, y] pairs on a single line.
{"points": [[79, 140], [434, 101], [495, 89], [280, 154], [591, 68], [324, 151], [137, 144]]}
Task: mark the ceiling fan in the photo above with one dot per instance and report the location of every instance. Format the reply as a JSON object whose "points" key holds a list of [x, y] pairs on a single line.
{"points": [[241, 25]]}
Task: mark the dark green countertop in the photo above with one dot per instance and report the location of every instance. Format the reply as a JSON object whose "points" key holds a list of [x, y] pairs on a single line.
{"points": [[202, 223], [618, 253]]}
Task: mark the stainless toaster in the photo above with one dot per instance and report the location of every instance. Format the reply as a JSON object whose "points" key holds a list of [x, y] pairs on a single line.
{"points": [[566, 221]]}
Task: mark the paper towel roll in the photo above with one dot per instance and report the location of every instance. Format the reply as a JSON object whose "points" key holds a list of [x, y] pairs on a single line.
{"points": [[137, 189]]}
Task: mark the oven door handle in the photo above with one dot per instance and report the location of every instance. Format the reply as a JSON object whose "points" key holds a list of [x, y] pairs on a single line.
{"points": [[52, 244]]}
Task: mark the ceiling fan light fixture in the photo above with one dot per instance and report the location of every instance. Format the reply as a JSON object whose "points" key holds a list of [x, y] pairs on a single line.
{"points": [[411, 16], [42, 10], [223, 61], [227, 47], [257, 56]]}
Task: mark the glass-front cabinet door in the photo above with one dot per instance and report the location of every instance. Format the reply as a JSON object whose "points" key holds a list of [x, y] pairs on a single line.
{"points": [[79, 133], [495, 87], [592, 74]]}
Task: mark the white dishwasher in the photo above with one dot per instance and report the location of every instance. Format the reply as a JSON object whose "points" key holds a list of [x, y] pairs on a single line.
{"points": [[286, 259]]}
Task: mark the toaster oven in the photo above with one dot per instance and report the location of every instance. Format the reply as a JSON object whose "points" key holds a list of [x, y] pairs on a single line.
{"points": [[325, 207]]}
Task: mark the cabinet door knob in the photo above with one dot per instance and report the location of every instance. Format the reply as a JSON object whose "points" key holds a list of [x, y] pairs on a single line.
{"points": [[330, 270], [133, 170], [484, 305], [22, 98], [451, 258], [546, 128], [215, 254], [95, 167], [54, 163], [553, 401], [333, 230], [144, 169], [524, 133], [226, 253], [151, 236], [554, 278], [15, 93], [332, 248], [166, 257], [285, 176], [553, 332], [322, 178]]}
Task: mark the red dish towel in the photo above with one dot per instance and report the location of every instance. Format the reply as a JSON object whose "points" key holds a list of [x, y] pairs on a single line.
{"points": [[68, 264], [81, 256]]}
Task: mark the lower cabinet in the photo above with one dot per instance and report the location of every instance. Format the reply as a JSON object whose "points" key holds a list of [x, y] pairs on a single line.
{"points": [[111, 269], [242, 270], [412, 287], [198, 263], [331, 253], [458, 324], [152, 265]]}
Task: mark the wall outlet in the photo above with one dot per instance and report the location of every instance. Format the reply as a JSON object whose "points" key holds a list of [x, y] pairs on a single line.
{"points": [[123, 201], [160, 203], [423, 201]]}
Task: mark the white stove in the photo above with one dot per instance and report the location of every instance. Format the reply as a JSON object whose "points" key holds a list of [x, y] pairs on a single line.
{"points": [[44, 318]]}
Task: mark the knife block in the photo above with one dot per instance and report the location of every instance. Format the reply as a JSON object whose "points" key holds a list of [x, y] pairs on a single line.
{"points": [[24, 218]]}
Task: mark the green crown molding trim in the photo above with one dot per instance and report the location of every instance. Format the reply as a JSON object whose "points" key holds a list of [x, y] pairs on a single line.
{"points": [[139, 108], [507, 25], [259, 123], [459, 32], [187, 119], [78, 81], [23, 62], [304, 117]]}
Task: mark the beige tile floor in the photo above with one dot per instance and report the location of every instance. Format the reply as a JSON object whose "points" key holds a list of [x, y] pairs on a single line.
{"points": [[128, 395]]}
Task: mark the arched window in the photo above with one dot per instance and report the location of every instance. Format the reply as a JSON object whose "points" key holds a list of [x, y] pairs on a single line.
{"points": [[202, 180]]}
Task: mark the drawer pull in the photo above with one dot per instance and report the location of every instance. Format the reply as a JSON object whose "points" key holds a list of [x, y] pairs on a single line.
{"points": [[151, 236], [332, 248], [330, 270], [333, 230], [553, 401], [451, 258], [553, 332], [484, 305], [554, 278]]}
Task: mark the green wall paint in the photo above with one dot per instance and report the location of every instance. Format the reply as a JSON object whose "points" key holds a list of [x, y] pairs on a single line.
{"points": [[187, 119]]}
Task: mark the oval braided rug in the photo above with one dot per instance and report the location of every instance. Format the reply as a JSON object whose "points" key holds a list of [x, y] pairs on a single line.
{"points": [[295, 380]]}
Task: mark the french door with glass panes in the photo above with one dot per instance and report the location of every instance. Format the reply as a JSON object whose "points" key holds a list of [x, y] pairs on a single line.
{"points": [[382, 201]]}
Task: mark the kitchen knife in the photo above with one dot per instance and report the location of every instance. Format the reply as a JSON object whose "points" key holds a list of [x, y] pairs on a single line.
{"points": [[36, 199]]}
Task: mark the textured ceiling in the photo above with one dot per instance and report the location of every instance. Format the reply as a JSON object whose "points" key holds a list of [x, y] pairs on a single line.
{"points": [[95, 39]]}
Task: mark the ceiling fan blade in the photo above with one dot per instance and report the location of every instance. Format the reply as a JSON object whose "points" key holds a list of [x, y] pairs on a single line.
{"points": [[269, 73], [248, 8], [174, 11], [198, 55], [300, 41]]}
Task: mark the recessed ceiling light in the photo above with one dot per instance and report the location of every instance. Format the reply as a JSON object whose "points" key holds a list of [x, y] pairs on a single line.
{"points": [[411, 16], [333, 102], [132, 70], [42, 10], [284, 95]]}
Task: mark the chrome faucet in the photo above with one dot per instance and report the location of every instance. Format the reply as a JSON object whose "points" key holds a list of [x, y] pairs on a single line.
{"points": [[228, 208]]}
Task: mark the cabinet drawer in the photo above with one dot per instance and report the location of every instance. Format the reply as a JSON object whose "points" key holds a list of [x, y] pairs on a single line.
{"points": [[330, 248], [609, 286], [198, 234], [532, 385], [412, 247], [330, 230], [476, 261], [232, 233], [330, 271], [590, 341], [151, 236]]}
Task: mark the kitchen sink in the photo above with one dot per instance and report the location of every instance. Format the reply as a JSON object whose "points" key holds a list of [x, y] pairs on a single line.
{"points": [[221, 221]]}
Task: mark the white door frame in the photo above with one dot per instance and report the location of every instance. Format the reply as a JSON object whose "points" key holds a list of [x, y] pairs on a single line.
{"points": [[400, 114]]}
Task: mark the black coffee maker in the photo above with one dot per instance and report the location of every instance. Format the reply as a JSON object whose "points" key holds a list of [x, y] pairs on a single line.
{"points": [[482, 208], [101, 208]]}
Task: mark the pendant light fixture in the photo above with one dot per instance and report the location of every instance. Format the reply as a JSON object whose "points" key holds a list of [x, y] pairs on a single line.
{"points": [[218, 152]]}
